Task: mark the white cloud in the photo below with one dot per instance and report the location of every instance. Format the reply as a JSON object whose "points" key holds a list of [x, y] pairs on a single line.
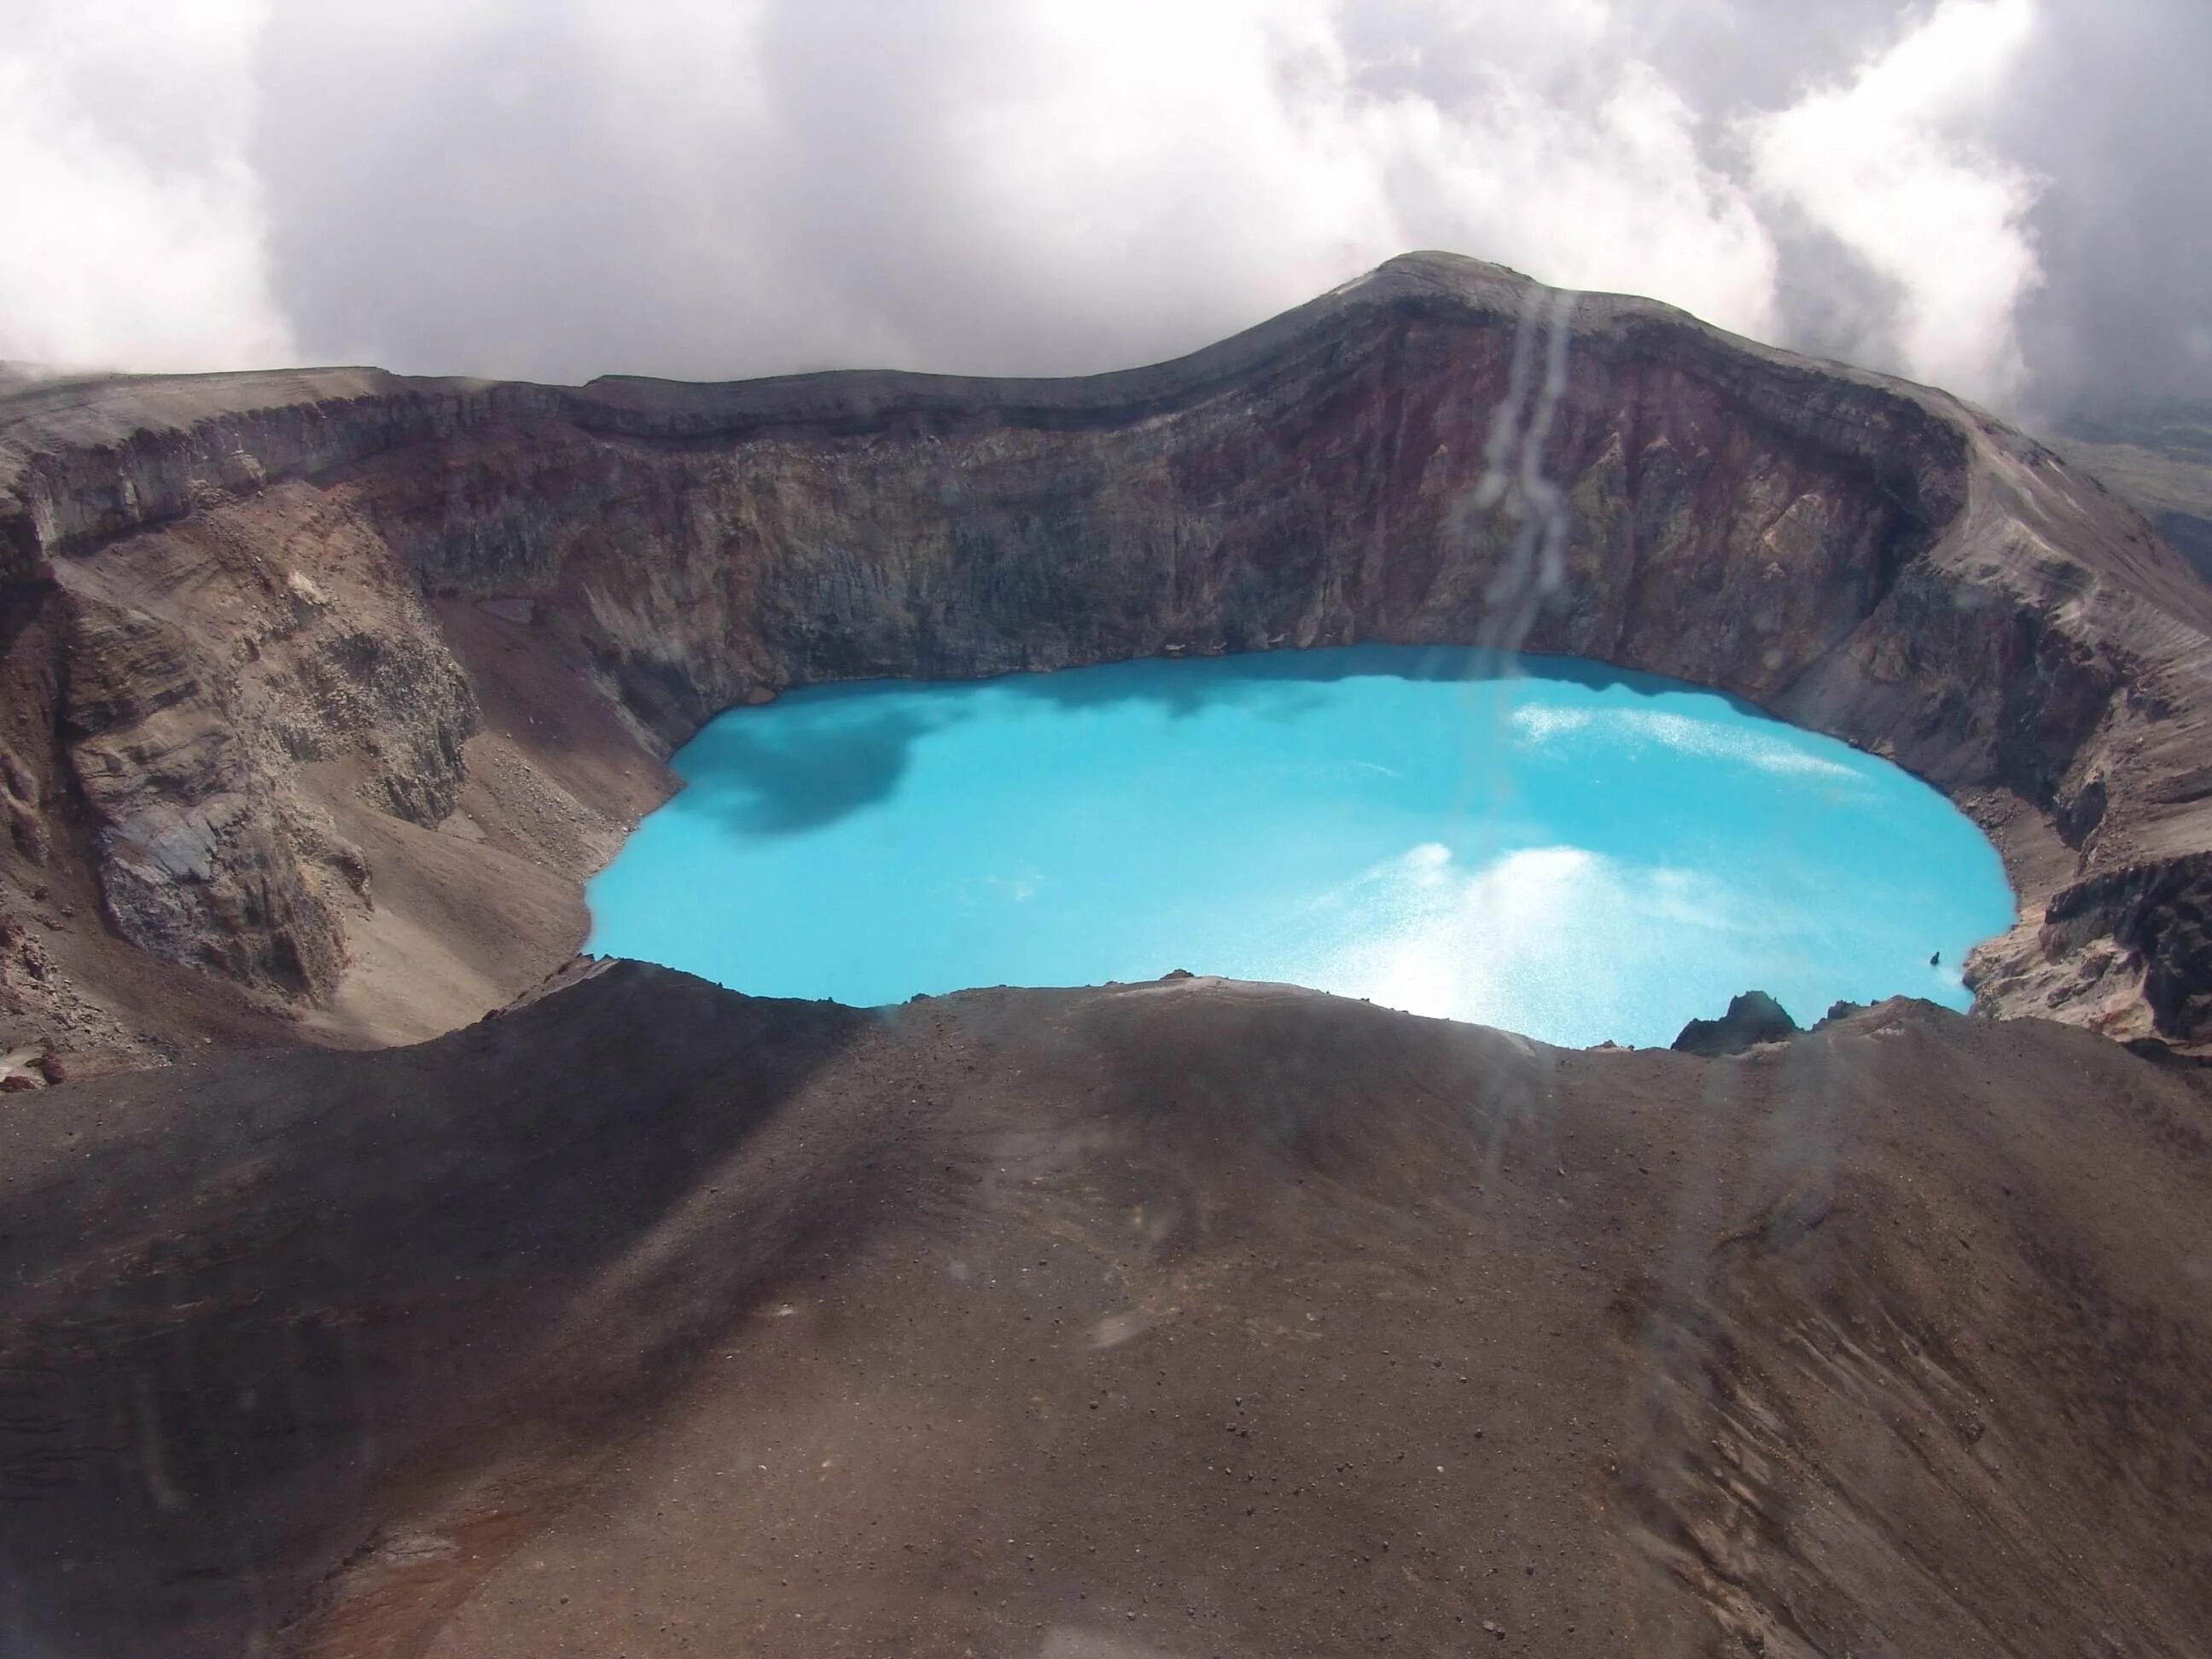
{"points": [[1612, 195], [1891, 163], [135, 235], [702, 188], [984, 185], [1247, 149]]}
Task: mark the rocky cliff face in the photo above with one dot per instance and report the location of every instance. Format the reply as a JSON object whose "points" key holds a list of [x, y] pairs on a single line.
{"points": [[338, 684]]}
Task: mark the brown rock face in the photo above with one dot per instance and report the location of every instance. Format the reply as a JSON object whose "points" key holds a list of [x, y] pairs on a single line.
{"points": [[352, 679]]}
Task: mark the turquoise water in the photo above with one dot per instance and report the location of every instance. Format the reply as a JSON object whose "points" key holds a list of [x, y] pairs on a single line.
{"points": [[1542, 844]]}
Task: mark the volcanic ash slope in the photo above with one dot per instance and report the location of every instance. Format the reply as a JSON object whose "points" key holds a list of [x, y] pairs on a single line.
{"points": [[1175, 1318]]}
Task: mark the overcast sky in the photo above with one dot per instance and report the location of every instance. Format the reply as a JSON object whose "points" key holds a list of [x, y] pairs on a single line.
{"points": [[2005, 197]]}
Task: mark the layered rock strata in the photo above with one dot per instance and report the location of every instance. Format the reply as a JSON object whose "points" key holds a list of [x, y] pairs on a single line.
{"points": [[337, 683]]}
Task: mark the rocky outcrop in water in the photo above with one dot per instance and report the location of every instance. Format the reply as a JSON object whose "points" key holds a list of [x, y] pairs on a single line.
{"points": [[1752, 1019], [338, 684]]}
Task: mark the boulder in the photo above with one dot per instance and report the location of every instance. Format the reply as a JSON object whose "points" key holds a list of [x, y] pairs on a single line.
{"points": [[1752, 1019]]}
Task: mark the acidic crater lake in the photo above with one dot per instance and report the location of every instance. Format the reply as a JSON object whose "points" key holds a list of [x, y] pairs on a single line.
{"points": [[1558, 848]]}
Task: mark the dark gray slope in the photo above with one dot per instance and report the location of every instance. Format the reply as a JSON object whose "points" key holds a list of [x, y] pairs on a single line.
{"points": [[1194, 1317]]}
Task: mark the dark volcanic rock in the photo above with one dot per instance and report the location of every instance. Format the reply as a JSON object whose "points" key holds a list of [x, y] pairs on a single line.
{"points": [[266, 686], [1188, 1317], [2162, 915], [1752, 1019]]}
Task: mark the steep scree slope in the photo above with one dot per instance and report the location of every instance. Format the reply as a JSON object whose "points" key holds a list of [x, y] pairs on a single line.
{"points": [[338, 684], [1179, 1319]]}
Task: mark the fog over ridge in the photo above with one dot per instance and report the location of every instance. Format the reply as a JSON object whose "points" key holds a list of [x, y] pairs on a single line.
{"points": [[2000, 195]]}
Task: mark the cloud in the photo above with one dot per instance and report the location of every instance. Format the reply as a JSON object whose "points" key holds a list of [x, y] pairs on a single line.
{"points": [[1891, 162], [986, 186], [136, 233], [706, 189], [2109, 110]]}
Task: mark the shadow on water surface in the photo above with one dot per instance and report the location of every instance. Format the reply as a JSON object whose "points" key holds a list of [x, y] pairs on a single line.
{"points": [[763, 776], [766, 784], [1185, 685]]}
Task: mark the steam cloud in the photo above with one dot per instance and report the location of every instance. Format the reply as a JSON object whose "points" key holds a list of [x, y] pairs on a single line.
{"points": [[2001, 196]]}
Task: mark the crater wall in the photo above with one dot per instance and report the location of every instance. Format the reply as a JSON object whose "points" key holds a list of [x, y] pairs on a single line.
{"points": [[336, 685]]}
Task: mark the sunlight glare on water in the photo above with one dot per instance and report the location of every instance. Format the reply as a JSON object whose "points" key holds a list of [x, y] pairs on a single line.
{"points": [[1561, 849]]}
